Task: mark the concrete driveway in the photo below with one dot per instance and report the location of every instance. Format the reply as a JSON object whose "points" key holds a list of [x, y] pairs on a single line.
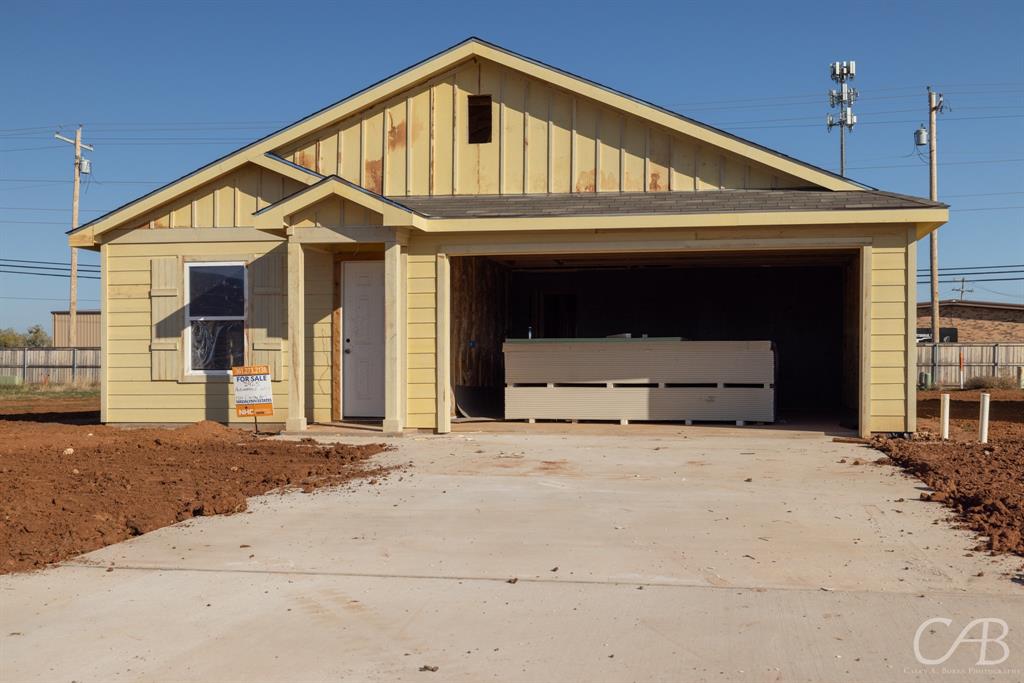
{"points": [[641, 554]]}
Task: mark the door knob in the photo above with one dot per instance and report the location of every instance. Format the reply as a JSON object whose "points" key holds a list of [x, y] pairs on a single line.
{"points": [[348, 350]]}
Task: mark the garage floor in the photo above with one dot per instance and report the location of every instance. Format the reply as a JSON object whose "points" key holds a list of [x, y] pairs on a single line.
{"points": [[640, 556]]}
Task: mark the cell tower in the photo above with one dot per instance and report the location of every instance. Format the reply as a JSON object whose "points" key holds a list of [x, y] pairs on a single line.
{"points": [[843, 97]]}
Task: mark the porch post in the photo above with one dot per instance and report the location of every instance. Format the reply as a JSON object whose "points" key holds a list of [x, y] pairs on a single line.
{"points": [[296, 337], [394, 336], [443, 318]]}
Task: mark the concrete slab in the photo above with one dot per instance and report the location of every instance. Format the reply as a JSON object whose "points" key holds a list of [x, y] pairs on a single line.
{"points": [[639, 556]]}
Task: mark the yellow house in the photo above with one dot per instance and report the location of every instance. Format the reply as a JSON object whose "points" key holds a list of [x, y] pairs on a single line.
{"points": [[377, 253]]}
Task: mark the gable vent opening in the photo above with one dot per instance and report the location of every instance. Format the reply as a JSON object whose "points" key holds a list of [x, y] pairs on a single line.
{"points": [[479, 119]]}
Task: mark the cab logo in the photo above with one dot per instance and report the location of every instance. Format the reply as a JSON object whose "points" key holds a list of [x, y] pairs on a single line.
{"points": [[988, 632]]}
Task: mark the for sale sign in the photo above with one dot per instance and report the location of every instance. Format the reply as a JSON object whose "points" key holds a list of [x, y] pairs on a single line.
{"points": [[253, 394]]}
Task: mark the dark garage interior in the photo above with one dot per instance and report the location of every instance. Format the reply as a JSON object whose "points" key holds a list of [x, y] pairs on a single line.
{"points": [[806, 303]]}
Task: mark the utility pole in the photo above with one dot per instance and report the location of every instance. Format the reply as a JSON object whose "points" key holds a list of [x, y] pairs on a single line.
{"points": [[81, 166], [962, 288], [843, 97], [935, 105]]}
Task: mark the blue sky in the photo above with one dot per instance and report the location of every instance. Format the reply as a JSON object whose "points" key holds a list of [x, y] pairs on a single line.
{"points": [[163, 88]]}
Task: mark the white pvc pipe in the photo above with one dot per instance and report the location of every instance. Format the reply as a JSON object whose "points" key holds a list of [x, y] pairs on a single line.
{"points": [[983, 422], [944, 416]]}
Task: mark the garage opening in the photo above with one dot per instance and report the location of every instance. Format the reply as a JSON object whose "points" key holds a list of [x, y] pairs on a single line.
{"points": [[806, 303]]}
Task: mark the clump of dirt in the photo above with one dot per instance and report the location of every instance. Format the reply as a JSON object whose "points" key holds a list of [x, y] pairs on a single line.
{"points": [[68, 489], [984, 483]]}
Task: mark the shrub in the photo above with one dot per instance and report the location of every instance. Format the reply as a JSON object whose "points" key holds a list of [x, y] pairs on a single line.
{"points": [[990, 382]]}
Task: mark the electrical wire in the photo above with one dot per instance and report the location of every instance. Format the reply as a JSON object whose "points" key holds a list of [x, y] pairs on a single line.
{"points": [[48, 263], [67, 275], [39, 298]]}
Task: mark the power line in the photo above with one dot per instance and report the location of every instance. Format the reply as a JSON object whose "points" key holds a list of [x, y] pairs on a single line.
{"points": [[61, 181], [39, 298], [50, 208], [67, 275], [949, 163], [989, 208], [981, 272], [48, 263], [990, 279], [1012, 265]]}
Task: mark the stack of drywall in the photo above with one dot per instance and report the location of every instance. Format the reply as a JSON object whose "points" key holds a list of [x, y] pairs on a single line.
{"points": [[639, 379]]}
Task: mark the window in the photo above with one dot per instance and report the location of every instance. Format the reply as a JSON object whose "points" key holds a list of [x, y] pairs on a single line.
{"points": [[215, 317], [479, 119]]}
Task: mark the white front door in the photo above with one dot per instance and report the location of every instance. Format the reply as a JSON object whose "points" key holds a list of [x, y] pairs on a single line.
{"points": [[362, 336]]}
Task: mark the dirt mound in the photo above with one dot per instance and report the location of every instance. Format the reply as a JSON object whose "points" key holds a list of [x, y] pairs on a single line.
{"points": [[984, 483], [69, 489]]}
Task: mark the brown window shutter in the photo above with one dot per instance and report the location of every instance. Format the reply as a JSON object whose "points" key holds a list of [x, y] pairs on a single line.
{"points": [[168, 318], [267, 314]]}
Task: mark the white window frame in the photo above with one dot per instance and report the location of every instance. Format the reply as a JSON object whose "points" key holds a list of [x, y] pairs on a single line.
{"points": [[189, 318]]}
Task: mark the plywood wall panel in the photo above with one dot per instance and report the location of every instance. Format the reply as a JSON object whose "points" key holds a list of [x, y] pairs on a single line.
{"points": [[396, 149], [659, 154], [373, 151], [513, 133], [609, 151], [419, 132], [536, 157], [443, 144]]}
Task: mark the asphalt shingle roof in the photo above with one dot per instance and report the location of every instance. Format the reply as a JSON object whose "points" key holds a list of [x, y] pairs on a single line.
{"points": [[633, 203]]}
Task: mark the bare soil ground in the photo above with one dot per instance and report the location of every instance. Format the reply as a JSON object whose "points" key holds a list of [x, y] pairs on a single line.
{"points": [[983, 483], [66, 489]]}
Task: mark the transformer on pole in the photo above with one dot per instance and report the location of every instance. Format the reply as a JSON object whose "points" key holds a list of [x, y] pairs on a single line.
{"points": [[842, 97]]}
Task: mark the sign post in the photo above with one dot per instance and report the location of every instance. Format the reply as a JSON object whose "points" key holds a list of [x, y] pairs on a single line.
{"points": [[253, 393]]}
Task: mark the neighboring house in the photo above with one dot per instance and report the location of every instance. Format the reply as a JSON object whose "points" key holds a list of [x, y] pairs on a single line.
{"points": [[975, 321], [376, 253], [88, 333]]}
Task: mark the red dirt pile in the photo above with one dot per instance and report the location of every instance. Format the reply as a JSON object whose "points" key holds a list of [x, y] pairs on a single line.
{"points": [[984, 483], [68, 489]]}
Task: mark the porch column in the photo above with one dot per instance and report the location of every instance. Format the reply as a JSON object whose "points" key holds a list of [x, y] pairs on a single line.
{"points": [[394, 336], [296, 337], [443, 331]]}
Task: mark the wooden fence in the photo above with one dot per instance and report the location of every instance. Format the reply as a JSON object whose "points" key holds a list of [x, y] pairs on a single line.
{"points": [[50, 365], [979, 360]]}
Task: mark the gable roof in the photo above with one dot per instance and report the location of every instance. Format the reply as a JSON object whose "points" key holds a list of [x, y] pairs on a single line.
{"points": [[259, 150]]}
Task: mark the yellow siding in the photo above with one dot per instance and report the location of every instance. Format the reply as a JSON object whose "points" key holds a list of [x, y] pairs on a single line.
{"points": [[319, 305], [889, 330], [421, 360], [228, 201], [544, 140], [132, 396]]}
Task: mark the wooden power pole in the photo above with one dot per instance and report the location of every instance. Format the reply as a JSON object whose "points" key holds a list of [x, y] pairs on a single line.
{"points": [[934, 105], [73, 296]]}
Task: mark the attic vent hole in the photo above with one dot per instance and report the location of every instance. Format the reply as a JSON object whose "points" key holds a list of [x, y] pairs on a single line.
{"points": [[479, 119]]}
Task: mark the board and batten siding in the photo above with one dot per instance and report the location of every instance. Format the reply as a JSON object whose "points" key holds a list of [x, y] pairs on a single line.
{"points": [[226, 202], [544, 139], [133, 395]]}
